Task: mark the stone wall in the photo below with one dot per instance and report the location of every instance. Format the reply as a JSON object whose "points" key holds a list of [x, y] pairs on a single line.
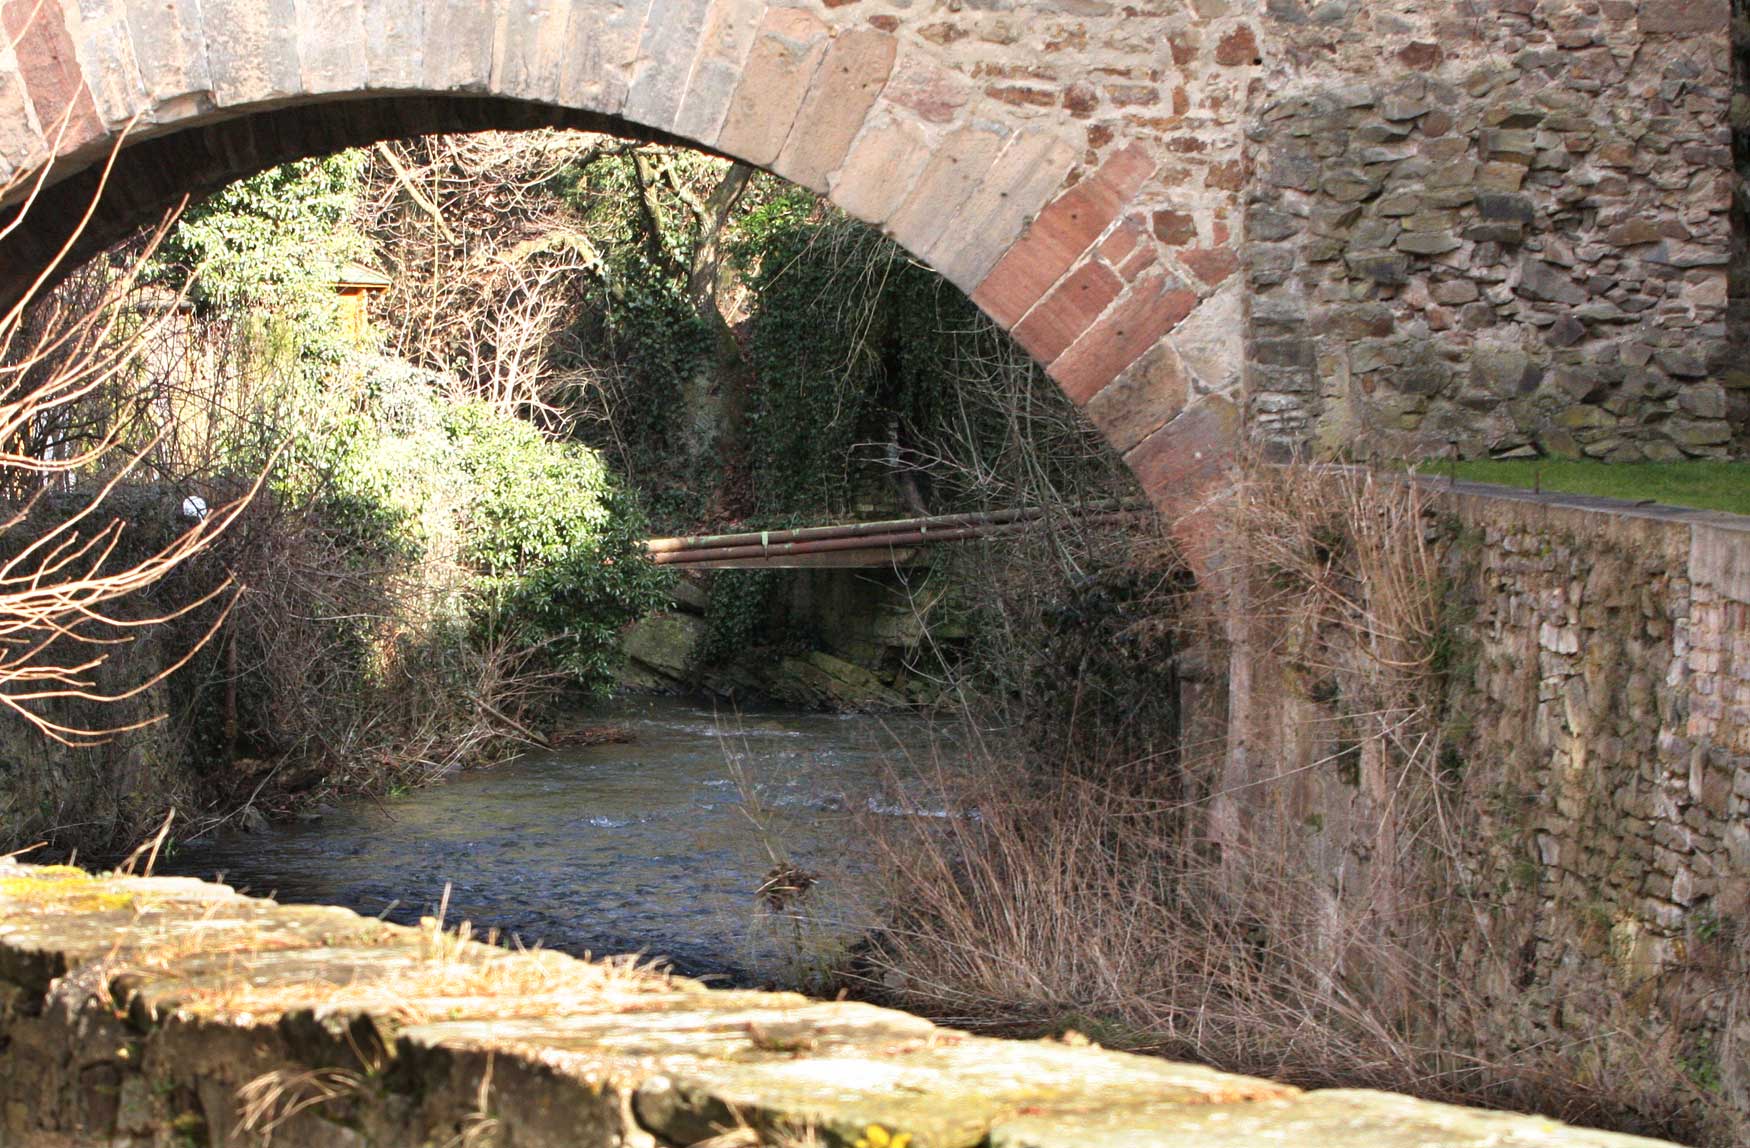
{"points": [[161, 1012], [1496, 226], [1594, 854], [830, 638], [1738, 312], [1608, 753]]}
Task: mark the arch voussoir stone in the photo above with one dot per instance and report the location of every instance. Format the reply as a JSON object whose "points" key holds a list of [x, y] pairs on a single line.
{"points": [[1016, 203]]}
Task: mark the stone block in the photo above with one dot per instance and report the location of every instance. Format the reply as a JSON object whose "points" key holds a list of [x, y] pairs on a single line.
{"points": [[1070, 309], [601, 43], [1427, 244], [1063, 231], [394, 39], [529, 56], [844, 89], [786, 53], [1210, 342], [331, 47], [255, 55], [1692, 434], [670, 40], [1211, 265], [935, 94], [724, 45], [1149, 309], [1455, 292], [881, 169], [170, 46], [1179, 464], [105, 50], [955, 170], [21, 144], [1028, 171], [1499, 207], [1548, 283], [1685, 17], [1141, 400], [1387, 270], [46, 60], [459, 41]]}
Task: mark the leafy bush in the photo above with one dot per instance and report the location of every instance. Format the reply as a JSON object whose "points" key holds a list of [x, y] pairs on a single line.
{"points": [[553, 543]]}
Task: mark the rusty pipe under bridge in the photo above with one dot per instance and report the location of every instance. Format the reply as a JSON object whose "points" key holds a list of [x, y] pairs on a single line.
{"points": [[888, 542]]}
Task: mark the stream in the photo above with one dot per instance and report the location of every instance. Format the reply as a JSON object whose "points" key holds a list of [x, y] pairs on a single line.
{"points": [[641, 847]]}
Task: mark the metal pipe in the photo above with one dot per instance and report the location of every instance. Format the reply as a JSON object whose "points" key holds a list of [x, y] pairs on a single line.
{"points": [[865, 529], [901, 539]]}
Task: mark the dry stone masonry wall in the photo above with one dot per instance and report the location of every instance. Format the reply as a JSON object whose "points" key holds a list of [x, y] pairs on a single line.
{"points": [[1738, 313], [1496, 226], [1593, 861], [1610, 738]]}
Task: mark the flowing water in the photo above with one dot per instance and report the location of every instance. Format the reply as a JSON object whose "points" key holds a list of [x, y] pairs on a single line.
{"points": [[643, 847]]}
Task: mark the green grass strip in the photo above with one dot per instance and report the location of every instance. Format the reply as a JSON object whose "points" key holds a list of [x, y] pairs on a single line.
{"points": [[1705, 485]]}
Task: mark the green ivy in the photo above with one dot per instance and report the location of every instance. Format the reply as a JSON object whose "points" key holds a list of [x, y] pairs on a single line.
{"points": [[554, 542], [278, 241]]}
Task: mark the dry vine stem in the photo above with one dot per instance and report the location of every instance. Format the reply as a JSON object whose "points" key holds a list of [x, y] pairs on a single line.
{"points": [[59, 590]]}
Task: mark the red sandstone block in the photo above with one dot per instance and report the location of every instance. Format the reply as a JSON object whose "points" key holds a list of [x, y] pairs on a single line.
{"points": [[1070, 309], [1139, 261], [50, 68], [1153, 306], [1212, 265], [1239, 48], [1060, 235], [1141, 400], [1123, 240], [1183, 462]]}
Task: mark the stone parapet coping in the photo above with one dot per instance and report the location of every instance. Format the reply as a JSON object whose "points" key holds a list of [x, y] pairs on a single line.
{"points": [[135, 1011]]}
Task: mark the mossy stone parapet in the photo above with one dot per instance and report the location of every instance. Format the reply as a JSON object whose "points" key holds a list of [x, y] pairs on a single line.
{"points": [[150, 1011]]}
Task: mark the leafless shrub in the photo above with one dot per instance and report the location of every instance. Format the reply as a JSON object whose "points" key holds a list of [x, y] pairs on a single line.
{"points": [[489, 268], [1188, 919], [66, 358]]}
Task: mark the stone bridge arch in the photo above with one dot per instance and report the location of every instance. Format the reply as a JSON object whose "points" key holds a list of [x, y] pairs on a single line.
{"points": [[1101, 234]]}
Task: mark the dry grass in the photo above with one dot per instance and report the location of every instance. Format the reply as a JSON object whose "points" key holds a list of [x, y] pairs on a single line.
{"points": [[400, 974], [1193, 916]]}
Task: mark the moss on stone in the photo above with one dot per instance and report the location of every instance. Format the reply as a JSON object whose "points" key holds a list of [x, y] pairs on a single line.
{"points": [[67, 887]]}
